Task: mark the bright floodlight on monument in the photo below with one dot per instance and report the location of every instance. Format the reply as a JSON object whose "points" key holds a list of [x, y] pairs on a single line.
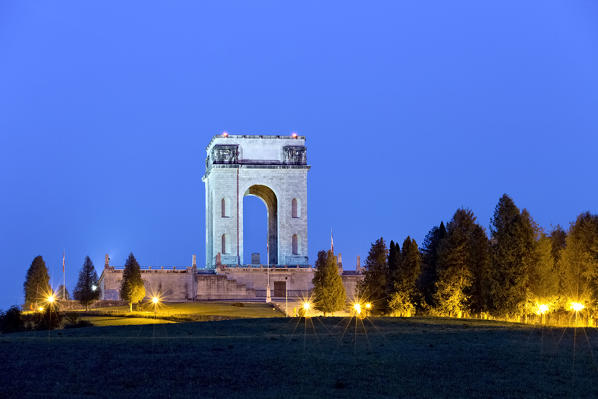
{"points": [[224, 134], [155, 300], [294, 135]]}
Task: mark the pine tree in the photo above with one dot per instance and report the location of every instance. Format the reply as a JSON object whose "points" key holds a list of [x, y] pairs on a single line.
{"points": [[405, 295], [132, 289], [455, 266], [429, 276], [37, 282], [329, 292], [558, 238], [394, 264], [579, 261], [87, 290], [544, 279], [513, 239], [374, 285], [479, 247]]}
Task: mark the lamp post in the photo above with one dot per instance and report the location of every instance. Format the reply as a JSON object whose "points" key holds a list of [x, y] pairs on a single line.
{"points": [[155, 301], [286, 290]]}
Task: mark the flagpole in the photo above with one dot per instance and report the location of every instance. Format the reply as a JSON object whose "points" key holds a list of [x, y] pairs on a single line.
{"points": [[63, 277]]}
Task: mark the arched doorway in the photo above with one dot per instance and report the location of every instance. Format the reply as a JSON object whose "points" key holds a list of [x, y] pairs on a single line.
{"points": [[269, 198]]}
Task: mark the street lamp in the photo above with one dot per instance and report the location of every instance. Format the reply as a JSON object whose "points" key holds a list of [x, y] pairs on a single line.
{"points": [[155, 301]]}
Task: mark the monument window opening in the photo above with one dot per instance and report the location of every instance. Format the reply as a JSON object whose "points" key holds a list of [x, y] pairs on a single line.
{"points": [[224, 243], [295, 210], [225, 207], [295, 244]]}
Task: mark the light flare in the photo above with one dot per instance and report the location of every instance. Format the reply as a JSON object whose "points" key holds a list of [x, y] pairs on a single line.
{"points": [[576, 306]]}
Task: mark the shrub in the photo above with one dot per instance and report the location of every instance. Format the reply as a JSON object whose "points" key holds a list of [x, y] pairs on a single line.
{"points": [[11, 321]]}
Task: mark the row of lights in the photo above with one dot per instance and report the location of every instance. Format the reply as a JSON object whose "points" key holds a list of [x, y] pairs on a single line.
{"points": [[575, 306], [357, 307], [293, 135]]}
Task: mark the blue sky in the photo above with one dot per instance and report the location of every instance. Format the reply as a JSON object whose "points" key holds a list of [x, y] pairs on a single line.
{"points": [[410, 109]]}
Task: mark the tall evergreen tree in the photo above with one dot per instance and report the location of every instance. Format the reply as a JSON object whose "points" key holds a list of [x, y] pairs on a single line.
{"points": [[87, 290], [455, 266], [513, 239], [405, 295], [394, 264], [37, 282], [132, 289], [544, 279], [479, 247], [375, 281], [558, 238], [329, 292], [579, 261], [428, 276]]}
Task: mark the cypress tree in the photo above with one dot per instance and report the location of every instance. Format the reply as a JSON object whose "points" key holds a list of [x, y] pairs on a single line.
{"points": [[132, 289], [513, 239], [375, 281], [429, 251], [37, 282], [329, 291], [87, 290]]}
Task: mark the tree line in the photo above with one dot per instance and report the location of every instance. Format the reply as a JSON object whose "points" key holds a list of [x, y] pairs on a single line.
{"points": [[37, 284], [516, 270]]}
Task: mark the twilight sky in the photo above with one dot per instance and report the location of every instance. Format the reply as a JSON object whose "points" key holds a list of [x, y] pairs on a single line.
{"points": [[411, 109]]}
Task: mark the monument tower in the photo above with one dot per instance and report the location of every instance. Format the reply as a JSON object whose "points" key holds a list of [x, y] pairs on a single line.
{"points": [[272, 168]]}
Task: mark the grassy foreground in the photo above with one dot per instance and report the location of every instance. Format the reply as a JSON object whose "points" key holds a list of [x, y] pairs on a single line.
{"points": [[177, 312], [280, 357]]}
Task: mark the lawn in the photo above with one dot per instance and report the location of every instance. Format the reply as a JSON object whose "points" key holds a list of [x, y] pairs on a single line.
{"points": [[179, 312], [284, 357]]}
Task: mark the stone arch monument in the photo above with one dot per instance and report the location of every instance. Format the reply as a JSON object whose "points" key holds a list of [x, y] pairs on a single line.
{"points": [[272, 168]]}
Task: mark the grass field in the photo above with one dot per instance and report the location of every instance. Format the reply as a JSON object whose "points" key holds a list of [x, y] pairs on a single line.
{"points": [[282, 357], [178, 312]]}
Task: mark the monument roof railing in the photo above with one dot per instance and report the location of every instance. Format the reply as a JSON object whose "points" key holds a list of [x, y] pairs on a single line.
{"points": [[254, 136]]}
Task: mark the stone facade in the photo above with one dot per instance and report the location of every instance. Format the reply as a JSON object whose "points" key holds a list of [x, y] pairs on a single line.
{"points": [[272, 168]]}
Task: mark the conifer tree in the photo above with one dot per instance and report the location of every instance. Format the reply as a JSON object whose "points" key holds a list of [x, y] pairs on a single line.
{"points": [[405, 295], [579, 261], [375, 281], [558, 238], [37, 282], [544, 279], [513, 239], [394, 264], [455, 266], [479, 247], [329, 292], [132, 289], [428, 277], [87, 290]]}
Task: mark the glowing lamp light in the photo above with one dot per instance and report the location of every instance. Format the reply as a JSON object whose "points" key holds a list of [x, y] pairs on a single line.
{"points": [[94, 287], [41, 308], [155, 300], [294, 135], [224, 134], [306, 305], [357, 308], [576, 306], [543, 308], [51, 299], [368, 306]]}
